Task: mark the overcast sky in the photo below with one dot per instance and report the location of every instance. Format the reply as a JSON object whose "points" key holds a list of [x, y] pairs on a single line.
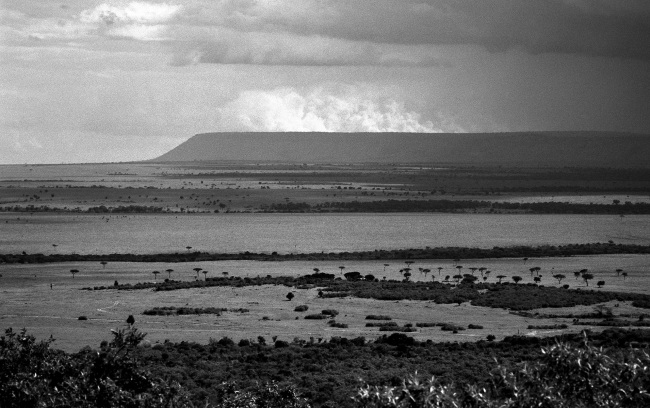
{"points": [[90, 81]]}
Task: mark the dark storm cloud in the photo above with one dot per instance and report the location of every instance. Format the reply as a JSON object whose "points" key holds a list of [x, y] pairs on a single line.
{"points": [[597, 27]]}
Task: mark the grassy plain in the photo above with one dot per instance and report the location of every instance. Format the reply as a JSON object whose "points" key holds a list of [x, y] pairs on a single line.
{"points": [[28, 300]]}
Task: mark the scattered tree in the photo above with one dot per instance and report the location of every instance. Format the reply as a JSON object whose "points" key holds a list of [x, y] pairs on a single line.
{"points": [[290, 296], [103, 263], [74, 272], [155, 275], [559, 278], [600, 284], [516, 279], [587, 277], [500, 277]]}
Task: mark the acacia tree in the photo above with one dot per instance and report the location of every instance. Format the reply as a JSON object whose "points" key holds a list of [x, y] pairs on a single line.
{"points": [[74, 272], [155, 275], [500, 277], [205, 275], [559, 278], [587, 277], [103, 263], [169, 273], [343, 267], [517, 279], [197, 270], [624, 275], [440, 268], [618, 272]]}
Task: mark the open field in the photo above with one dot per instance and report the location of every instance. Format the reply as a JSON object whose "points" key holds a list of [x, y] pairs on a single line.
{"points": [[28, 301], [45, 210], [254, 186]]}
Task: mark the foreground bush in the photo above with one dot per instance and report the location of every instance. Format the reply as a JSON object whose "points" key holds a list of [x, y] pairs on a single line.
{"points": [[34, 375], [566, 376]]}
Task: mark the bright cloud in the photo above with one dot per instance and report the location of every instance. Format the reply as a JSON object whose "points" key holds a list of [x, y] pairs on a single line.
{"points": [[325, 110], [134, 12]]}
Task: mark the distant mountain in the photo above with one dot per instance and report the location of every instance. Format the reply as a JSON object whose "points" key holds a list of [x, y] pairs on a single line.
{"points": [[576, 149]]}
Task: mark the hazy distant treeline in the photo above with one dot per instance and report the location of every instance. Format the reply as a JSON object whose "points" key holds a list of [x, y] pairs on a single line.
{"points": [[463, 206], [379, 254]]}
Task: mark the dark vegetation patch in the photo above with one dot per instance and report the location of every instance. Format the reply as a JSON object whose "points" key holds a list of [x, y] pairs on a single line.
{"points": [[178, 311], [614, 322], [506, 296], [121, 373], [378, 317], [642, 303], [455, 206], [329, 371], [301, 308], [401, 329], [530, 296], [413, 253], [547, 326]]}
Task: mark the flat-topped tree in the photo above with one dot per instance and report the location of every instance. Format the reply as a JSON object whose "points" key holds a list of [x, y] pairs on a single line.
{"points": [[482, 269], [197, 270], [473, 269], [155, 275], [624, 275], [103, 263], [559, 278], [501, 277], [224, 274], [577, 274], [440, 268], [385, 265], [188, 248], [516, 279], [74, 272], [169, 273], [343, 267], [205, 275], [618, 272], [587, 277]]}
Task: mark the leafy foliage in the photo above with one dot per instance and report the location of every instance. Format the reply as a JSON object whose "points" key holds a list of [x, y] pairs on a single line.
{"points": [[566, 376], [34, 375]]}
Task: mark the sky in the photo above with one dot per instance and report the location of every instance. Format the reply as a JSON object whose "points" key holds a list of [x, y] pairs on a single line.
{"points": [[104, 81]]}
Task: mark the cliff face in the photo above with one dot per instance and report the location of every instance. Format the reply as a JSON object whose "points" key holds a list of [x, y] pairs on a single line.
{"points": [[572, 149]]}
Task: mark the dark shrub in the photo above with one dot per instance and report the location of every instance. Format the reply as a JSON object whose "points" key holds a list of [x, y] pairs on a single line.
{"points": [[378, 317], [316, 316], [244, 343], [475, 326], [226, 341], [330, 312], [82, 318], [281, 344], [301, 308]]}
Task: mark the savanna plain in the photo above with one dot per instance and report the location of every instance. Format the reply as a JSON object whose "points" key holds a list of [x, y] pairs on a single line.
{"points": [[251, 259]]}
